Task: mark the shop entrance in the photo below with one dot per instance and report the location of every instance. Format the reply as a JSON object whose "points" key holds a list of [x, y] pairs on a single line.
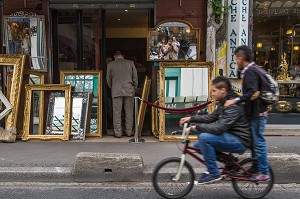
{"points": [[87, 40], [127, 32]]}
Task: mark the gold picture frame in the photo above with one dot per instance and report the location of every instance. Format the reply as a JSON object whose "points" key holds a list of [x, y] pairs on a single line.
{"points": [[161, 100], [27, 112], [187, 40], [27, 80], [64, 74], [143, 106], [17, 61]]}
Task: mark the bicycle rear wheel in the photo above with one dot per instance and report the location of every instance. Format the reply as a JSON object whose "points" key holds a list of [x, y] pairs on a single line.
{"points": [[248, 189], [162, 178]]}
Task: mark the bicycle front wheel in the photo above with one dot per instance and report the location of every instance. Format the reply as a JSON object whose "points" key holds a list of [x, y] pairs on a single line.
{"points": [[248, 189], [165, 185]]}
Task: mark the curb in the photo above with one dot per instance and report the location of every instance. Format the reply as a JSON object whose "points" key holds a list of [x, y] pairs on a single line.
{"points": [[286, 167], [38, 174]]}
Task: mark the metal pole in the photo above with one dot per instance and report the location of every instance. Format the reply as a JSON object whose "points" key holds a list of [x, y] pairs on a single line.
{"points": [[136, 132]]}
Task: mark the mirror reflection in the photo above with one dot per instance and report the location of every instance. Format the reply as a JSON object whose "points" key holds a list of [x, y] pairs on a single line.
{"points": [[173, 41], [184, 88], [80, 101], [56, 112], [37, 114], [26, 35]]}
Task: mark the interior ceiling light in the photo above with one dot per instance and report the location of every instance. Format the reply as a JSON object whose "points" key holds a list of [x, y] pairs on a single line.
{"points": [[296, 48], [126, 10], [119, 19], [259, 45]]}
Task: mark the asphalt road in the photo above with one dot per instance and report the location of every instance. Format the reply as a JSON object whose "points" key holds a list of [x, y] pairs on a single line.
{"points": [[128, 191]]}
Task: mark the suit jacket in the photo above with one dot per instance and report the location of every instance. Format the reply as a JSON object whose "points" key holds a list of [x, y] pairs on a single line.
{"points": [[122, 77]]}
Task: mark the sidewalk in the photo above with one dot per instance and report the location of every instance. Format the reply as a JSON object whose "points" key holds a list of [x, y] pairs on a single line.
{"points": [[54, 161]]}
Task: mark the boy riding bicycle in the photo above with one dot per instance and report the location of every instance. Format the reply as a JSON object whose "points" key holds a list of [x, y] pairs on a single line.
{"points": [[230, 133]]}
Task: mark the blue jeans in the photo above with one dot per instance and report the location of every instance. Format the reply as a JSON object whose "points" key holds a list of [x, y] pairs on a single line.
{"points": [[210, 143], [12, 47], [259, 143]]}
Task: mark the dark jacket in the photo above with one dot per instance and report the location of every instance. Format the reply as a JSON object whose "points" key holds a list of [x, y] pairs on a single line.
{"points": [[231, 120], [251, 84]]}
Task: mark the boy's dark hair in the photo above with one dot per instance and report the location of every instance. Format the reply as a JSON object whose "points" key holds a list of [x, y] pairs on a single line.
{"points": [[245, 52], [222, 82]]}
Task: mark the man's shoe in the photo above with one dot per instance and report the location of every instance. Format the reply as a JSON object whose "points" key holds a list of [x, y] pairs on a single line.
{"points": [[117, 136], [209, 178], [260, 177]]}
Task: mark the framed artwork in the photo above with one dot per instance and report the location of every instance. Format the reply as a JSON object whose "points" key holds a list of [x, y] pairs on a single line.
{"points": [[61, 109], [88, 81], [181, 85], [17, 61], [25, 34], [173, 41]]}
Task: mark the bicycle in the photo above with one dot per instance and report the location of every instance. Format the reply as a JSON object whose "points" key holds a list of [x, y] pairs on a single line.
{"points": [[177, 171]]}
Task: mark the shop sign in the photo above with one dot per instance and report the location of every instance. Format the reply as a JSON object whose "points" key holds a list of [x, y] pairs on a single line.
{"points": [[237, 34], [277, 11]]}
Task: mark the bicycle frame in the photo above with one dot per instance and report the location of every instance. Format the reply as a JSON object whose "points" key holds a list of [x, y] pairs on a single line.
{"points": [[189, 150]]}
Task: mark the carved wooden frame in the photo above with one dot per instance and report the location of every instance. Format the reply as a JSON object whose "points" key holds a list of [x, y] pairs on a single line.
{"points": [[27, 111], [143, 106], [63, 74], [161, 100], [151, 30], [41, 108], [17, 61]]}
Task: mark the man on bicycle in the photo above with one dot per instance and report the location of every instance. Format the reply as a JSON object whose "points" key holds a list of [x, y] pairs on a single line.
{"points": [[229, 133]]}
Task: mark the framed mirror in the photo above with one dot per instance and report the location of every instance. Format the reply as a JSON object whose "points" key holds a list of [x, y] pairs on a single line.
{"points": [[60, 97], [25, 34], [173, 41], [143, 106], [181, 85], [33, 78], [17, 61], [79, 114], [80, 106], [88, 81]]}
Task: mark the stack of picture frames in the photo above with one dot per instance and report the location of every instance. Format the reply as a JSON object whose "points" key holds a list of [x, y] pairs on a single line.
{"points": [[74, 108]]}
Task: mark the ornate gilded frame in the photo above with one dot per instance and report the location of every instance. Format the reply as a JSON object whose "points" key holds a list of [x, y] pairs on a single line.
{"points": [[20, 120], [17, 61], [143, 106], [63, 75], [154, 31], [79, 134], [27, 111], [161, 100]]}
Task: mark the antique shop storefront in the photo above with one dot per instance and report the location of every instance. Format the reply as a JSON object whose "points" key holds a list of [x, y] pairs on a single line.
{"points": [[71, 42], [276, 43]]}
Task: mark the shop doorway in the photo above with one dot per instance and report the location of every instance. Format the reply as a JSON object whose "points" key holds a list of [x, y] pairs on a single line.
{"points": [[87, 40], [127, 32]]}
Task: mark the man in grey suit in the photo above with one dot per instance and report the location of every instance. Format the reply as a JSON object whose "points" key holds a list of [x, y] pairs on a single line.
{"points": [[123, 80]]}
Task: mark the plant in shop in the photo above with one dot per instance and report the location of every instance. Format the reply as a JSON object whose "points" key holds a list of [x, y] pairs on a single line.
{"points": [[218, 9]]}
